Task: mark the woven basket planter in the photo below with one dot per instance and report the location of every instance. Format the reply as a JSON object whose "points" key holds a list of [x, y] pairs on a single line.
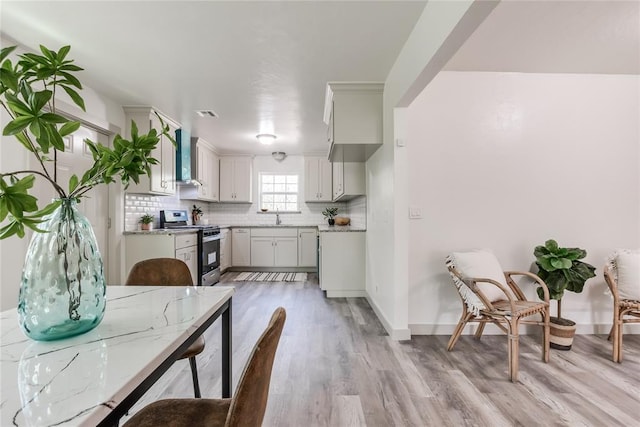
{"points": [[561, 333]]}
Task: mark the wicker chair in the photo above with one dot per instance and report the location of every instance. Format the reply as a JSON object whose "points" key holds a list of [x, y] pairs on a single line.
{"points": [[626, 294], [169, 272], [490, 295], [246, 408]]}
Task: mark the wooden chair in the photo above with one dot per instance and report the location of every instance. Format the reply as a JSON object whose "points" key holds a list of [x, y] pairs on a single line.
{"points": [[625, 291], [169, 272], [490, 295], [245, 409]]}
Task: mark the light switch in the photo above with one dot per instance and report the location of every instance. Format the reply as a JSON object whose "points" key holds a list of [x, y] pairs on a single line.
{"points": [[415, 212], [400, 142]]}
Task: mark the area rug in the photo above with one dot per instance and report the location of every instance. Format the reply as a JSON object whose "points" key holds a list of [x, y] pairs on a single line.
{"points": [[268, 276]]}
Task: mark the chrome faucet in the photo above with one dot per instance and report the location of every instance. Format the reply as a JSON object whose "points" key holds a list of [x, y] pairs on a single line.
{"points": [[278, 220]]}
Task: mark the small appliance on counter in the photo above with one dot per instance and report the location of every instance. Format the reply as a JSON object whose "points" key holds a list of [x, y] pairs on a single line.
{"points": [[208, 243]]}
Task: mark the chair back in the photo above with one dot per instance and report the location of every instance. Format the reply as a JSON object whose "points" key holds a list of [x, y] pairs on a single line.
{"points": [[160, 272], [250, 399]]}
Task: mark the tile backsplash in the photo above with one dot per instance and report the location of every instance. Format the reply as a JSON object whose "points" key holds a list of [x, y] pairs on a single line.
{"points": [[137, 205]]}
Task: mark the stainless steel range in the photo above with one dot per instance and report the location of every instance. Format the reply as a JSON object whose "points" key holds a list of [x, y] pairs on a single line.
{"points": [[208, 244]]}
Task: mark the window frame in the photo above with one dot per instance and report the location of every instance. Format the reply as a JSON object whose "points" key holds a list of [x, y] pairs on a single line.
{"points": [[271, 205]]}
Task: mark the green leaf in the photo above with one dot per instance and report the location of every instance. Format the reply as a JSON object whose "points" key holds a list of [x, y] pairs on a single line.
{"points": [[75, 97], [6, 51], [10, 229], [8, 78], [62, 53], [73, 80], [40, 99], [50, 55], [551, 245], [48, 209], [17, 125], [73, 183], [69, 128], [53, 118], [560, 263]]}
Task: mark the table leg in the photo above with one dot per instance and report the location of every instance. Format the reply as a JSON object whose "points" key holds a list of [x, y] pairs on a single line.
{"points": [[226, 352]]}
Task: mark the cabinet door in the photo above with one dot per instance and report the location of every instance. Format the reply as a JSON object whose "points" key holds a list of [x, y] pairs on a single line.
{"points": [[311, 179], [324, 180], [307, 247], [168, 163], [190, 257], [242, 179], [226, 180], [156, 153], [286, 251], [201, 171], [262, 251], [240, 247], [338, 178], [214, 177], [225, 250]]}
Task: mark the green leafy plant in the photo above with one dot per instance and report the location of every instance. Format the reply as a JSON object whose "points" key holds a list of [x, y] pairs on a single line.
{"points": [[146, 219], [330, 213], [561, 269], [28, 94], [196, 212]]}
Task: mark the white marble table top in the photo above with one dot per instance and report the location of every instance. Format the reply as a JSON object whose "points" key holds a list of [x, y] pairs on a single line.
{"points": [[76, 381]]}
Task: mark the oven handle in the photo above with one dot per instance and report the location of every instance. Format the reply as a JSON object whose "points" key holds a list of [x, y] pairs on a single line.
{"points": [[211, 238]]}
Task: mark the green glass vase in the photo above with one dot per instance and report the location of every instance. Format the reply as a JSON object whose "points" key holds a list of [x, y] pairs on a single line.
{"points": [[62, 293]]}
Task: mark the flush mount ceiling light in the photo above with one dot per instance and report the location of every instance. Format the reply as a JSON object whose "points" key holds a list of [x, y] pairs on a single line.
{"points": [[279, 155], [266, 138]]}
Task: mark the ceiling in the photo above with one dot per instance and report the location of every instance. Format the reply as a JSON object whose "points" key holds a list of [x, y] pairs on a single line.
{"points": [[262, 66], [595, 37]]}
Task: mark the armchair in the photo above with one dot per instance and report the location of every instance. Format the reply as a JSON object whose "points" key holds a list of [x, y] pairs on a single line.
{"points": [[490, 295]]}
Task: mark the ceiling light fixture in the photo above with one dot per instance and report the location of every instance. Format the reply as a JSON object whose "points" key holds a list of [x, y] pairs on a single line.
{"points": [[266, 138], [279, 155]]}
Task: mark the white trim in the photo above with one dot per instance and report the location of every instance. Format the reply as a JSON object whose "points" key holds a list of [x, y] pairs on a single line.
{"points": [[394, 334], [346, 294], [438, 329]]}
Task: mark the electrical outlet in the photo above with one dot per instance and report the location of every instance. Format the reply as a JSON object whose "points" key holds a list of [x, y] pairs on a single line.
{"points": [[415, 212]]}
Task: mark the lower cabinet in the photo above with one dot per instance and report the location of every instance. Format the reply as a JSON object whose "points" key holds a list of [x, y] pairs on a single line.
{"points": [[241, 247], [225, 249], [342, 264], [184, 246], [307, 247], [274, 247]]}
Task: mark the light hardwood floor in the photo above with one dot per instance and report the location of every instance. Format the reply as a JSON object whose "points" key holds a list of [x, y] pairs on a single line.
{"points": [[335, 366]]}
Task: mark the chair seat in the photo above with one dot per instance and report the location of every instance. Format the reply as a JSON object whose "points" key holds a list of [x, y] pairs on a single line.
{"points": [[627, 303], [194, 349], [182, 413], [523, 308]]}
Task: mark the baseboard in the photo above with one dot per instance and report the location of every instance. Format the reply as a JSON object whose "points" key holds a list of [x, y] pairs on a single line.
{"points": [[394, 334], [433, 329], [345, 294]]}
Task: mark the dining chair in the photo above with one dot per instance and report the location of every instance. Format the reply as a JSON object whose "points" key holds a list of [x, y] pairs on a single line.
{"points": [[169, 272], [245, 409], [490, 295], [622, 274]]}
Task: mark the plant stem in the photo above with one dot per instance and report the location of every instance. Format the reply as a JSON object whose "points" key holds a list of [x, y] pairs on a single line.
{"points": [[58, 189]]}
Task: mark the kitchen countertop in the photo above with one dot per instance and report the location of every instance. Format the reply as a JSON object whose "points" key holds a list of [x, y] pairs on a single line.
{"points": [[163, 231], [325, 228]]}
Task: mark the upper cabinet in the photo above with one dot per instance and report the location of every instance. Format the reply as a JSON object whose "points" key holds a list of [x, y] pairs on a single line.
{"points": [[163, 175], [236, 179], [317, 179], [348, 178], [205, 169], [353, 114]]}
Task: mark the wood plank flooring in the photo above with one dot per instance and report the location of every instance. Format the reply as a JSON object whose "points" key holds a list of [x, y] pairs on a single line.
{"points": [[335, 366]]}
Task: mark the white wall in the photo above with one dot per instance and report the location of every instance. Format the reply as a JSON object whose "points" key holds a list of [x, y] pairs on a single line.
{"points": [[507, 161], [440, 30]]}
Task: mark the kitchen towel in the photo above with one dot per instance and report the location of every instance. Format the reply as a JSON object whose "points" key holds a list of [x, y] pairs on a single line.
{"points": [[269, 276]]}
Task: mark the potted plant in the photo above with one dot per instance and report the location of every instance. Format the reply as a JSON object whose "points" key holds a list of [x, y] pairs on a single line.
{"points": [[330, 214], [562, 270], [146, 222], [62, 292], [196, 214]]}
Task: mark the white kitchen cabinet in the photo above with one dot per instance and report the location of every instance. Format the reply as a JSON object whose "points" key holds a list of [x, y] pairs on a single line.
{"points": [[225, 250], [342, 264], [241, 247], [163, 175], [348, 179], [236, 179], [183, 246], [317, 178], [353, 114], [307, 247], [274, 247], [206, 169]]}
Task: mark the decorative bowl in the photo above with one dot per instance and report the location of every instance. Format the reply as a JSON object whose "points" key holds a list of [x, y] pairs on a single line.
{"points": [[264, 209], [342, 220]]}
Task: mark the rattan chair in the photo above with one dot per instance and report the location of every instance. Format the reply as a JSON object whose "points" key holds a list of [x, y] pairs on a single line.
{"points": [[169, 272], [490, 295], [626, 308], [245, 409]]}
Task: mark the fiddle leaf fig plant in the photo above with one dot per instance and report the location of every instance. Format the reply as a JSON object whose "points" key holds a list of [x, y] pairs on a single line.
{"points": [[561, 269], [28, 94]]}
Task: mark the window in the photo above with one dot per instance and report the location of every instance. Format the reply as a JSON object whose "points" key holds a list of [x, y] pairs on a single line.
{"points": [[279, 192]]}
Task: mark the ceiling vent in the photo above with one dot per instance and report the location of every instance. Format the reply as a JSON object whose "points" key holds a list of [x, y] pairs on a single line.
{"points": [[207, 113]]}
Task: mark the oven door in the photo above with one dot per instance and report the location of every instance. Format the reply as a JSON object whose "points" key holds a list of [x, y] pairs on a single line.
{"points": [[210, 257]]}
